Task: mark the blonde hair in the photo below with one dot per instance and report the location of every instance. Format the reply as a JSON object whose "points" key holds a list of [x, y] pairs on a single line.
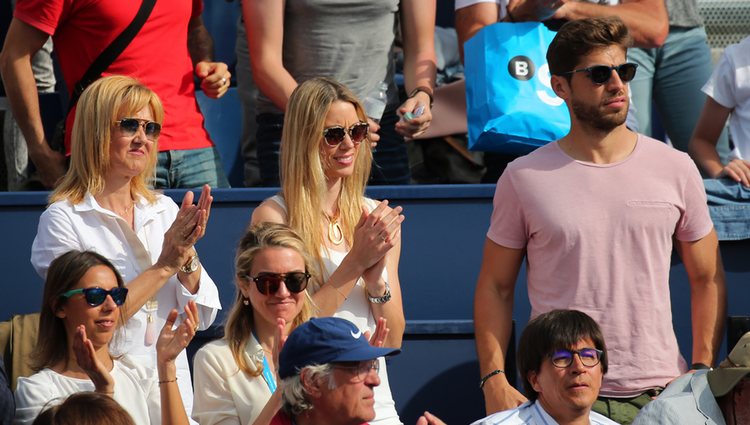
{"points": [[101, 104], [239, 326], [303, 181]]}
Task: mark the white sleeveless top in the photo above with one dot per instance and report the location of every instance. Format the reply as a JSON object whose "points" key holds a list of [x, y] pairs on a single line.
{"points": [[356, 309]]}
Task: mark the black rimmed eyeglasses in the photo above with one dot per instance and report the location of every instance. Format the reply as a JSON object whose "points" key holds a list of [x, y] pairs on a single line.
{"points": [[590, 357]]}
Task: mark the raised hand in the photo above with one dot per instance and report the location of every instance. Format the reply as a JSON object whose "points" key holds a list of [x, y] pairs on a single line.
{"points": [[375, 234], [91, 364], [188, 227], [377, 339], [172, 340], [278, 344]]}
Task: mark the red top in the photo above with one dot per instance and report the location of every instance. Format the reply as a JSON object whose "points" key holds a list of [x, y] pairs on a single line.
{"points": [[158, 55]]}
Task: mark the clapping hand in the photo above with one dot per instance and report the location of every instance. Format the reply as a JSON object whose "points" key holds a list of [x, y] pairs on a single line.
{"points": [[91, 364], [171, 341], [188, 227], [278, 344], [376, 233], [381, 332]]}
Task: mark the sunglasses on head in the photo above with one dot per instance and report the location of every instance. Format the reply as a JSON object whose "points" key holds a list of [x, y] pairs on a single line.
{"points": [[269, 283], [335, 135], [129, 126], [600, 74], [96, 296]]}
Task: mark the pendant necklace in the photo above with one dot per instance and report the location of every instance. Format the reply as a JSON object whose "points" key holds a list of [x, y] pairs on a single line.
{"points": [[335, 234]]}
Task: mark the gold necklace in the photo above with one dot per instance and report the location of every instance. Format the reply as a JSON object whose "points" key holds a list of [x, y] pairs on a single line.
{"points": [[124, 213], [335, 234]]}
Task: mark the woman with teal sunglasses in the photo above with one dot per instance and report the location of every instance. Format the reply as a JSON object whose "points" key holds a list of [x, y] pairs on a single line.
{"points": [[82, 306]]}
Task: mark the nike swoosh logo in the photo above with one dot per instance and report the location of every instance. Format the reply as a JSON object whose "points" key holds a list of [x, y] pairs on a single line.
{"points": [[357, 334]]}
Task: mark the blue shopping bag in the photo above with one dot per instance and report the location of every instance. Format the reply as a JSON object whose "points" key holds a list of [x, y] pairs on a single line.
{"points": [[510, 105]]}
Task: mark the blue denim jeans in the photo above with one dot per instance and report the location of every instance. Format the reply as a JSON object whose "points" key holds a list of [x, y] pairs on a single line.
{"points": [[671, 77], [390, 158], [729, 206], [190, 168]]}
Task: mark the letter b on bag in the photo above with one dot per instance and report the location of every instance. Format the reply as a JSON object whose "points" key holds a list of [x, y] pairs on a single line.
{"points": [[521, 68]]}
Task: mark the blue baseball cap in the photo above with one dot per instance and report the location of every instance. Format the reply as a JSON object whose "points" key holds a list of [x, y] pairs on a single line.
{"points": [[325, 340]]}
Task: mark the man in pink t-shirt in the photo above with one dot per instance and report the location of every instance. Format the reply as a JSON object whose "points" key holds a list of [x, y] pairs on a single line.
{"points": [[596, 214], [171, 47]]}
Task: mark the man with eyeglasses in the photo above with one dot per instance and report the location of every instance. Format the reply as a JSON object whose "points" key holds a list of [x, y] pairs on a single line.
{"points": [[596, 215], [328, 371], [562, 358]]}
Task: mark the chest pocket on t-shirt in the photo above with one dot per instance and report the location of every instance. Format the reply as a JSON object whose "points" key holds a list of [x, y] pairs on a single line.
{"points": [[653, 216]]}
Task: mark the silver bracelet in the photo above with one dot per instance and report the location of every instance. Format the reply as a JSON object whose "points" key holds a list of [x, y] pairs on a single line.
{"points": [[380, 300]]}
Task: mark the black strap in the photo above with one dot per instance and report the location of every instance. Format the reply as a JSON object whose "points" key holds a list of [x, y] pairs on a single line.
{"points": [[108, 56]]}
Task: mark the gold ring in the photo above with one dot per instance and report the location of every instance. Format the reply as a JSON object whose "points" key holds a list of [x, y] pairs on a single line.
{"points": [[383, 238], [223, 81], [195, 329]]}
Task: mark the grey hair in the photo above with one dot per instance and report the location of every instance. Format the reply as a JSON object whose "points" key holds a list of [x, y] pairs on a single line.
{"points": [[294, 399]]}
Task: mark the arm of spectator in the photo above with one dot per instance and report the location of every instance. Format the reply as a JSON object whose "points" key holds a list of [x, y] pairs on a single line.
{"points": [[493, 310], [214, 76], [21, 42], [702, 145], [418, 29], [647, 20], [471, 19], [393, 310], [264, 23], [708, 296], [170, 344]]}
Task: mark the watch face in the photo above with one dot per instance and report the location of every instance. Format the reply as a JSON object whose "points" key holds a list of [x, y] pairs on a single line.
{"points": [[191, 265]]}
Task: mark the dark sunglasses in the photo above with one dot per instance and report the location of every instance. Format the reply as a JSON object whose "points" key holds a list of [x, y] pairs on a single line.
{"points": [[129, 126], [335, 135], [600, 74], [269, 283], [96, 296]]}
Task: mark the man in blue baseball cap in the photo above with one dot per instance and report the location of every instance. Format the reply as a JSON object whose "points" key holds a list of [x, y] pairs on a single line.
{"points": [[328, 370]]}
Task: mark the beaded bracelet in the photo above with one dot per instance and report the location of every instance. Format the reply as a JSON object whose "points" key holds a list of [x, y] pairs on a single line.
{"points": [[168, 381], [488, 376]]}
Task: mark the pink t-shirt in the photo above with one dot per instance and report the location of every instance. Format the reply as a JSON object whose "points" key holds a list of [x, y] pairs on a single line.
{"points": [[599, 239]]}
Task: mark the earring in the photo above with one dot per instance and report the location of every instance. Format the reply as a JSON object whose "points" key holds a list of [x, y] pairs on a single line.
{"points": [[245, 301]]}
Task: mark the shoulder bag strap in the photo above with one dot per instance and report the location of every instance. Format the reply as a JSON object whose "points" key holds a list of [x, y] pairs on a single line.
{"points": [[108, 56]]}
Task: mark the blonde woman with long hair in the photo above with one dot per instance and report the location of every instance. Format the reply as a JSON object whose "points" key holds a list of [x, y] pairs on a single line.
{"points": [[105, 204], [235, 377], [355, 242]]}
